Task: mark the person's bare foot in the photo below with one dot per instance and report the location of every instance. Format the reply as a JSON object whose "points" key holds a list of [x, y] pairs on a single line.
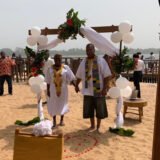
{"points": [[54, 126], [61, 123], [90, 129]]}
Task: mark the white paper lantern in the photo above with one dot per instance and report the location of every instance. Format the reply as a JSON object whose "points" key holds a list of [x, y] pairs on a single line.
{"points": [[42, 40], [35, 31], [128, 37], [126, 92], [35, 88], [122, 82], [43, 86], [39, 79], [116, 37], [125, 27], [114, 92], [32, 81], [32, 41]]}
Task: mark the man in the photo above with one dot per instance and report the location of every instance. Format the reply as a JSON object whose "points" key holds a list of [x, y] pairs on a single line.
{"points": [[6, 65], [151, 61], [138, 71], [58, 77], [93, 72]]}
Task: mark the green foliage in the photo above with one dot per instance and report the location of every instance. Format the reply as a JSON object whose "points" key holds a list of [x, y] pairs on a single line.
{"points": [[36, 60], [71, 27], [122, 62], [122, 131], [28, 123]]}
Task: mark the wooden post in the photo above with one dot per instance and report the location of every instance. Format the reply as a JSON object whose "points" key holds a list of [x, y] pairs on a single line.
{"points": [[156, 136], [102, 29]]}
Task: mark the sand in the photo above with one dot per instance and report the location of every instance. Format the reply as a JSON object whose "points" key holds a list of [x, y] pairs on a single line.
{"points": [[79, 143]]}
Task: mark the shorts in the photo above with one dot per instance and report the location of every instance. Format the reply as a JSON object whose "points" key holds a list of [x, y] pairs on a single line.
{"points": [[92, 104]]}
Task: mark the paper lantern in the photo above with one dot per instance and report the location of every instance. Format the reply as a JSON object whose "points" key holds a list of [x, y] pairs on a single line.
{"points": [[122, 82], [32, 81], [39, 79], [114, 92], [35, 31], [42, 40], [43, 86], [128, 37], [126, 92], [116, 37], [32, 41], [35, 88], [125, 27]]}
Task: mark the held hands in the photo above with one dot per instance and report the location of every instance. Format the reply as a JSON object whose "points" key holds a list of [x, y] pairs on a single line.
{"points": [[77, 88], [103, 92]]}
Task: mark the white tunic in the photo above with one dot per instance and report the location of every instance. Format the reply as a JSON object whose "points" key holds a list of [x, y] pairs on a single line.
{"points": [[104, 72], [59, 105]]}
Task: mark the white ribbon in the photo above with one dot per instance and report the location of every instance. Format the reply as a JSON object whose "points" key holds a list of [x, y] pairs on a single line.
{"points": [[50, 45]]}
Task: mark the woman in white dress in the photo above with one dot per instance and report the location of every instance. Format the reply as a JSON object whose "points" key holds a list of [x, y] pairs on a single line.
{"points": [[58, 77]]}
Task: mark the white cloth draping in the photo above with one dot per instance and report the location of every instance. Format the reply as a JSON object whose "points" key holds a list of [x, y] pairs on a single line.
{"points": [[39, 106], [119, 119], [104, 72], [59, 105], [99, 41], [50, 45]]}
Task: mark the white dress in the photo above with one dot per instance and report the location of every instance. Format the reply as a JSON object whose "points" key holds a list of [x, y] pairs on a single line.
{"points": [[59, 105]]}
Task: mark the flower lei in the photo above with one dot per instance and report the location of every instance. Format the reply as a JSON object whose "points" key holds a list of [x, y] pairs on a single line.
{"points": [[71, 27], [57, 79]]}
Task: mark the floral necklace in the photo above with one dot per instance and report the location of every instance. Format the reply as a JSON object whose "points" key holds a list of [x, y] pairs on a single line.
{"points": [[57, 79]]}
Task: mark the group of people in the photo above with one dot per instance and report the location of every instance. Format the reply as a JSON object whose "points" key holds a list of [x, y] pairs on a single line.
{"points": [[93, 72]]}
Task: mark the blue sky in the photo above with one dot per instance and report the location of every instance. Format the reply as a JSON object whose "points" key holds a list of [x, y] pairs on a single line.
{"points": [[17, 16]]}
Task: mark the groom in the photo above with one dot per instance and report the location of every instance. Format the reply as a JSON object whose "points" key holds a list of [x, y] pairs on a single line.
{"points": [[93, 71]]}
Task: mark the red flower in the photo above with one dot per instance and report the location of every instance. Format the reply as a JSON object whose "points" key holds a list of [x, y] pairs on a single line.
{"points": [[35, 75], [33, 69], [69, 22]]}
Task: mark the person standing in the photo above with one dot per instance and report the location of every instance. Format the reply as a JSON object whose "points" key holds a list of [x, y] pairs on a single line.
{"points": [[93, 71], [138, 72], [58, 77], [6, 64]]}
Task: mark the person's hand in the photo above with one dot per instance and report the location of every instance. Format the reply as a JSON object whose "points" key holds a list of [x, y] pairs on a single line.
{"points": [[77, 89], [103, 92]]}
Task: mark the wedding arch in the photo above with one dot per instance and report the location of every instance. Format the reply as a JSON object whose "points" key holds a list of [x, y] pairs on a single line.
{"points": [[107, 29]]}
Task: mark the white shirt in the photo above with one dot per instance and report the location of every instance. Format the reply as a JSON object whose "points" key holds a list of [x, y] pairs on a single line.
{"points": [[139, 66], [47, 65], [104, 72]]}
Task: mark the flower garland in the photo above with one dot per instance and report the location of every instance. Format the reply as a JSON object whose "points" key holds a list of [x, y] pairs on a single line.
{"points": [[57, 79], [71, 27]]}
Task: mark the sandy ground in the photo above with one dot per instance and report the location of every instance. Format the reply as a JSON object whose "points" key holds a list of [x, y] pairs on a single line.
{"points": [[82, 145]]}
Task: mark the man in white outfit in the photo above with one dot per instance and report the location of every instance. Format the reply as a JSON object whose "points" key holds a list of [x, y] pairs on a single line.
{"points": [[58, 77]]}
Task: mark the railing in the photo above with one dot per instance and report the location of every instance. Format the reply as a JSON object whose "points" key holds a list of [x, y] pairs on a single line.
{"points": [[21, 71]]}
